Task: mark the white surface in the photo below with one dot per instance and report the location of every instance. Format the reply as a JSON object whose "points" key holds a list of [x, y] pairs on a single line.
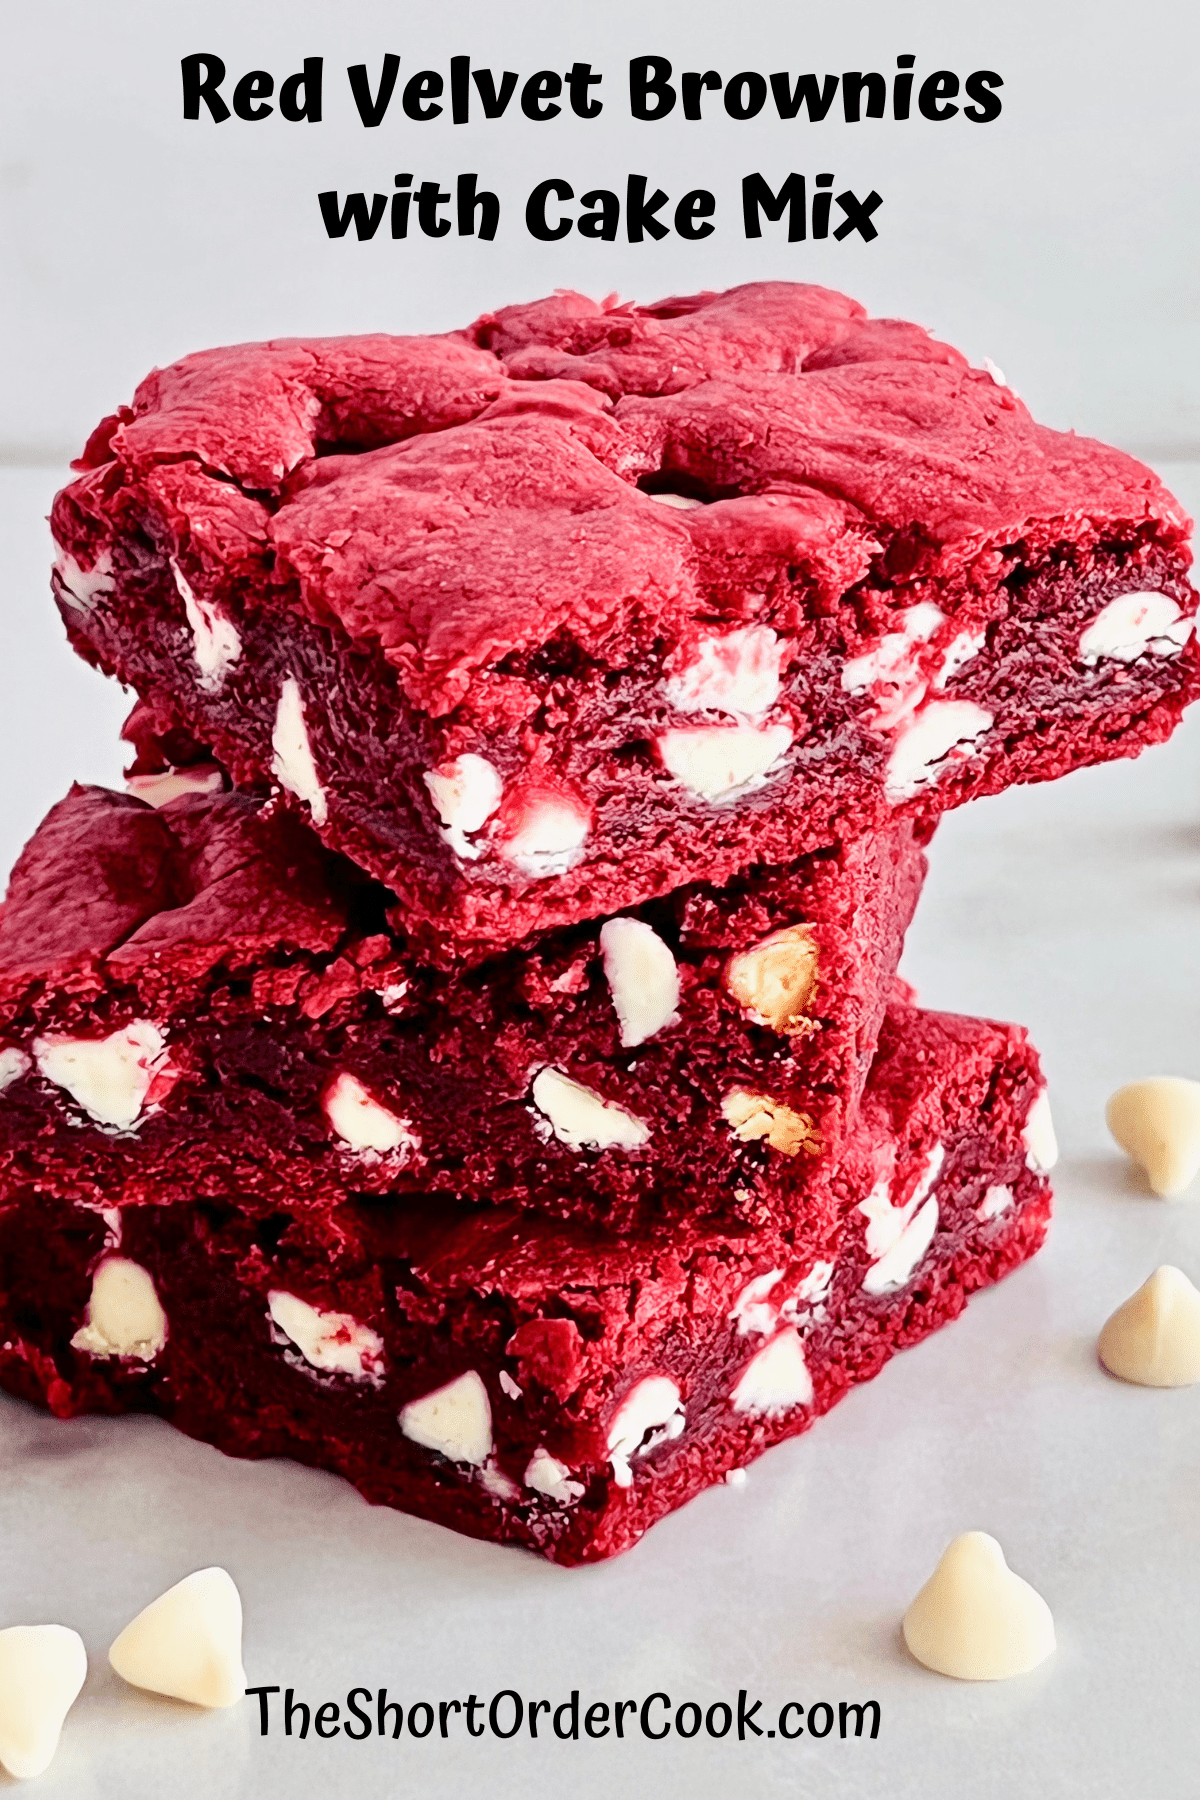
{"points": [[1058, 241], [1074, 907]]}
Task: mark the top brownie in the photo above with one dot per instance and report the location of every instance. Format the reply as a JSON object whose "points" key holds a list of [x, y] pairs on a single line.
{"points": [[541, 619]]}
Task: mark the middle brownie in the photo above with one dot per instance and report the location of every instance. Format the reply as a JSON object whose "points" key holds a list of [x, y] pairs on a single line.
{"points": [[203, 1001]]}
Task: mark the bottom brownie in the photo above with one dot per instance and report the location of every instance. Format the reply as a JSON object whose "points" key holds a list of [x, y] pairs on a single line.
{"points": [[524, 1379]]}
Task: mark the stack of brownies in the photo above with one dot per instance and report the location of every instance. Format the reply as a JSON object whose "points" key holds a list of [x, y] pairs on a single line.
{"points": [[471, 1056]]}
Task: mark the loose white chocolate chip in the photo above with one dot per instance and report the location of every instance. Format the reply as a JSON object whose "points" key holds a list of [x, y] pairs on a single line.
{"points": [[42, 1668], [1158, 1123], [754, 1116], [1154, 1338], [187, 1644], [775, 979], [974, 1619]]}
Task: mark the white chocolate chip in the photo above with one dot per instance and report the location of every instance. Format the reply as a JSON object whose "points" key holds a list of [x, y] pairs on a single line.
{"points": [[890, 671], [736, 674], [549, 839], [499, 1485], [466, 792], [42, 1668], [958, 653], [13, 1064], [776, 978], [361, 1122], [642, 978], [333, 1342], [996, 373], [584, 1119], [897, 1237], [1133, 625], [753, 1309], [1041, 1145], [292, 761], [80, 587], [161, 789], [722, 762], [736, 1478], [974, 1619], [214, 637], [776, 1380], [944, 732], [651, 1413], [681, 502], [1154, 1338], [1158, 1123], [997, 1200], [187, 1643], [546, 1475], [109, 1077], [508, 1386], [455, 1420], [124, 1315]]}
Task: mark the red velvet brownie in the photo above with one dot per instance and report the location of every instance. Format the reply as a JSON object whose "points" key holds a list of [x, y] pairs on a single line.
{"points": [[202, 1000], [543, 619], [529, 1380]]}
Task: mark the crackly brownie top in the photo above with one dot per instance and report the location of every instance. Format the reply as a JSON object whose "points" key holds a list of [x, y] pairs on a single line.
{"points": [[460, 498]]}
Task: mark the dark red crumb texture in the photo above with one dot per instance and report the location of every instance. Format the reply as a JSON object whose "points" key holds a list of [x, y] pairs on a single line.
{"points": [[591, 1384], [546, 618]]}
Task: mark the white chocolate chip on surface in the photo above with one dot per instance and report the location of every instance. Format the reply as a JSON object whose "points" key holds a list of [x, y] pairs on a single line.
{"points": [[465, 792], [722, 762], [776, 1380], [943, 733], [215, 639], [975, 1619], [333, 1342], [681, 502], [651, 1413], [584, 1119], [550, 838], [187, 1644], [1157, 1123], [1153, 1339], [109, 1077], [42, 1668], [169, 784], [547, 1476], [642, 978], [1141, 624], [292, 762], [1041, 1145], [361, 1121], [124, 1315], [13, 1064], [737, 674], [775, 979], [455, 1420]]}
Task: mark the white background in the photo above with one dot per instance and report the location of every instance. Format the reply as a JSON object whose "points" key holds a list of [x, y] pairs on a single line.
{"points": [[1052, 241], [1059, 240]]}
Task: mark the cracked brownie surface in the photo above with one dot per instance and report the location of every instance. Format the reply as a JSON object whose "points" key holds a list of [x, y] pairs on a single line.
{"points": [[541, 620]]}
